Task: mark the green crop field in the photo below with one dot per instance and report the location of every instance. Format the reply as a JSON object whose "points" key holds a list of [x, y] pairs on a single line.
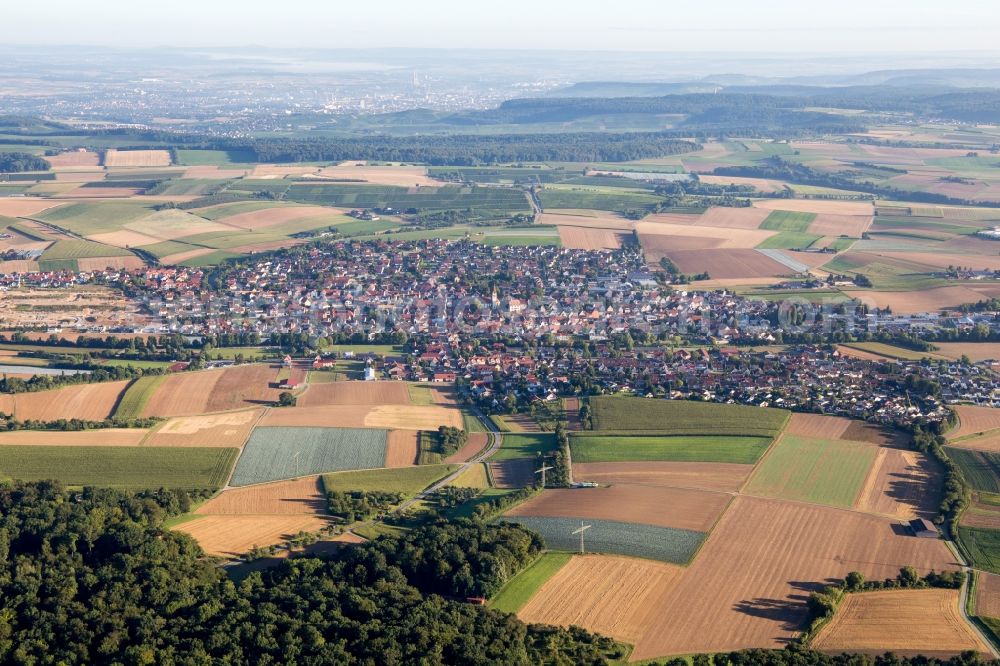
{"points": [[214, 157], [213, 259], [528, 240], [666, 544], [587, 448], [518, 591], [788, 240], [610, 199], [80, 249], [125, 363], [684, 417], [784, 220], [983, 546], [405, 480], [981, 469], [120, 466], [94, 217], [814, 470], [524, 445], [270, 185], [186, 186], [136, 396], [272, 454]]}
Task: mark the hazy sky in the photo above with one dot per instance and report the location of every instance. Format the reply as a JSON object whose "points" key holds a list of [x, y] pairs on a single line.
{"points": [[648, 25]]}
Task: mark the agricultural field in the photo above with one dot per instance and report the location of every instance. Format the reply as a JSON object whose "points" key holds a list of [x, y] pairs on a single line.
{"points": [[983, 546], [824, 471], [133, 401], [721, 477], [193, 393], [102, 437], [604, 593], [230, 536], [524, 445], [272, 453], [357, 393], [129, 467], [906, 622], [408, 481], [136, 158], [392, 417], [902, 484], [682, 417], [988, 595], [981, 469], [784, 220], [974, 421], [664, 544], [230, 429], [694, 510], [597, 447], [402, 448], [91, 402], [521, 589], [303, 496]]}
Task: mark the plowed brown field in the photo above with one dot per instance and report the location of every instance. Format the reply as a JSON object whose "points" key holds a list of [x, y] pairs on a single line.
{"points": [[649, 505], [242, 386], [906, 622], [973, 420], [226, 430], [723, 263], [988, 595], [594, 219], [231, 536], [476, 443], [818, 206], [723, 477], [730, 237], [816, 425], [516, 473], [910, 302], [748, 585], [393, 417], [608, 594], [401, 448], [183, 394], [91, 402], [297, 497], [356, 393]]}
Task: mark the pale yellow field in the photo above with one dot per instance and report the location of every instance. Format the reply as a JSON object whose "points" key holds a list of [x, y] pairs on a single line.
{"points": [[393, 417], [230, 429], [729, 237], [231, 536], [136, 158], [104, 437], [817, 206], [381, 175]]}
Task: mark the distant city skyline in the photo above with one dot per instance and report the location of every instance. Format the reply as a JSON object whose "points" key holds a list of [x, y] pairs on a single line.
{"points": [[774, 26]]}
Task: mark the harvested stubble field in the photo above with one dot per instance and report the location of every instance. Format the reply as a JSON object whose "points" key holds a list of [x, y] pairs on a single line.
{"points": [[818, 206], [745, 587], [727, 264], [974, 420], [474, 477], [231, 536], [906, 622], [356, 393], [74, 159], [393, 417], [824, 471], [609, 594], [664, 544], [303, 496], [989, 442], [988, 595], [686, 509], [272, 454], [730, 238], [119, 466], [402, 448], [595, 448], [840, 225], [136, 158], [593, 219], [721, 477], [581, 238], [901, 484], [684, 417], [229, 429], [103, 437], [90, 402], [271, 217], [408, 480], [17, 207], [911, 302], [190, 393], [381, 175], [129, 263], [976, 351], [816, 425]]}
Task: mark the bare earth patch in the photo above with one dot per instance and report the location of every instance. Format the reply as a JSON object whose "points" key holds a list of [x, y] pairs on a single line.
{"points": [[727, 264]]}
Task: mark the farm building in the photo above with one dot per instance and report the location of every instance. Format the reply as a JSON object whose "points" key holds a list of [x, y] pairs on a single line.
{"points": [[921, 527]]}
